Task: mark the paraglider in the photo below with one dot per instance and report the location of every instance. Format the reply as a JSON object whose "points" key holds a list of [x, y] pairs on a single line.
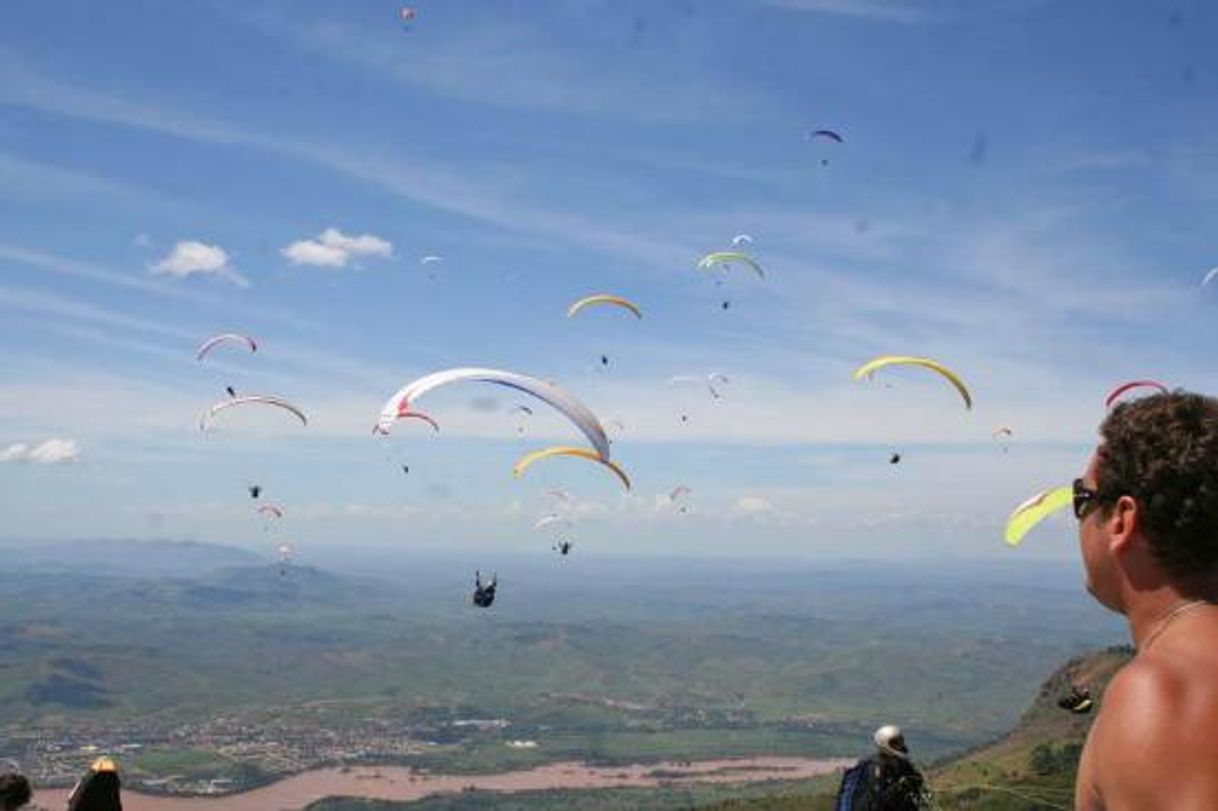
{"points": [[895, 459], [1036, 509], [677, 492], [1003, 431], [564, 547], [428, 261], [208, 416], [875, 364], [566, 404], [828, 135], [484, 593], [524, 411], [255, 490], [550, 520], [729, 258], [1120, 390], [528, 460], [710, 381], [603, 298], [228, 337], [1077, 701], [285, 552], [409, 415], [270, 511]]}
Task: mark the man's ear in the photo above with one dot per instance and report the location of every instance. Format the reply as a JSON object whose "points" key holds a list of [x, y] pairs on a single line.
{"points": [[1123, 523]]}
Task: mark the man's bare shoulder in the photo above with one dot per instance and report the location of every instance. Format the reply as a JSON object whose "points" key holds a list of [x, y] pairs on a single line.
{"points": [[1152, 741]]}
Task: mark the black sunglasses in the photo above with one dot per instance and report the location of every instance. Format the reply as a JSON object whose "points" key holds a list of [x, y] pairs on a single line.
{"points": [[1083, 496]]}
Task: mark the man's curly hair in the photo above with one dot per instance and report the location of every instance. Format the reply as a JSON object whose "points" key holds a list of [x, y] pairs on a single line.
{"points": [[1163, 451], [14, 791]]}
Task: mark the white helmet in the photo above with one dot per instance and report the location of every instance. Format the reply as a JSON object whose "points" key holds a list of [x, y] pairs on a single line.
{"points": [[890, 739]]}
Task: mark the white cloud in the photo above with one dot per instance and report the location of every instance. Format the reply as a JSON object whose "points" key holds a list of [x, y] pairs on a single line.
{"points": [[51, 452], [308, 252], [335, 249], [752, 505], [190, 257]]}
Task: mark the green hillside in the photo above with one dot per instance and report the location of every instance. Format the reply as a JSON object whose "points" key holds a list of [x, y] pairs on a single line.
{"points": [[1031, 768]]}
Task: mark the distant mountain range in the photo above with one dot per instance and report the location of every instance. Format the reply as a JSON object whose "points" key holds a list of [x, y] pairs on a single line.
{"points": [[144, 576], [128, 558]]}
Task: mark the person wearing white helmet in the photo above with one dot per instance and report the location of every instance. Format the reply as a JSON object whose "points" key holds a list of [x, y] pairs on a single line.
{"points": [[886, 781], [890, 740]]}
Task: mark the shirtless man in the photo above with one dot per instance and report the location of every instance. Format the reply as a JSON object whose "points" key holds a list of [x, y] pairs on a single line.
{"points": [[1148, 529]]}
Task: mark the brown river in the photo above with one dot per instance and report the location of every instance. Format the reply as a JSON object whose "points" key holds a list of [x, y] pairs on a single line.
{"points": [[402, 783]]}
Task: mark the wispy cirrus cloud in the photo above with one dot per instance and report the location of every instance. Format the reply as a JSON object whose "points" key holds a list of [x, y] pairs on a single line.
{"points": [[30, 179], [907, 11], [55, 264], [901, 11], [473, 192], [508, 62]]}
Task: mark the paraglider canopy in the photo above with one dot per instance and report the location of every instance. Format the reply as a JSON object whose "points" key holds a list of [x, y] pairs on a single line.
{"points": [[1120, 390], [228, 337], [603, 298], [870, 367], [527, 461], [574, 410], [728, 258], [1034, 510], [208, 417], [830, 134]]}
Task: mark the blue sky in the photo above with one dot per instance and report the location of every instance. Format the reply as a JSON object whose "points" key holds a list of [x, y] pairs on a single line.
{"points": [[1026, 191]]}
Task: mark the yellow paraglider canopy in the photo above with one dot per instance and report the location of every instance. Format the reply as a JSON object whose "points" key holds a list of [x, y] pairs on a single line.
{"points": [[894, 360], [603, 298], [527, 461], [1034, 510]]}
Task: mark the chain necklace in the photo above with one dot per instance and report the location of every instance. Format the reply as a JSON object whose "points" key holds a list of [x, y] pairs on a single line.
{"points": [[1166, 621]]}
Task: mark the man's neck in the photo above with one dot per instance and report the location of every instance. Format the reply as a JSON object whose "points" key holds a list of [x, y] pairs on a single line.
{"points": [[1149, 612]]}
